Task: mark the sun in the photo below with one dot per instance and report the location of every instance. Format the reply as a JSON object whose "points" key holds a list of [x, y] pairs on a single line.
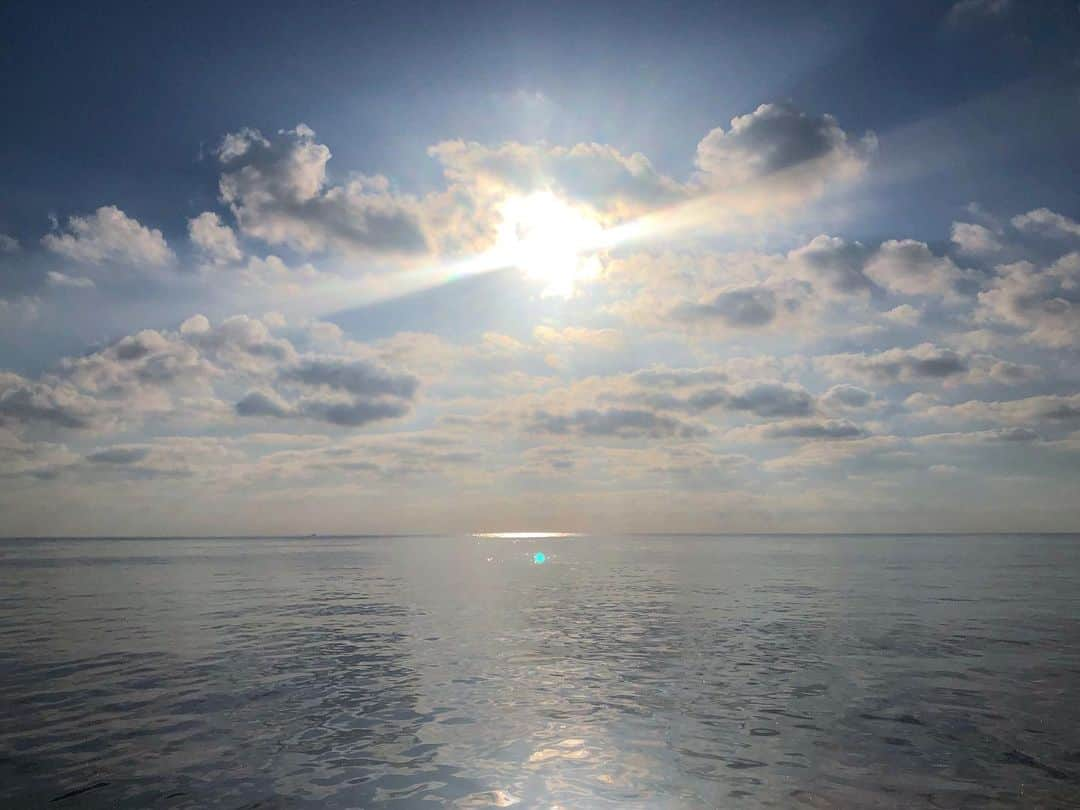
{"points": [[550, 241]]}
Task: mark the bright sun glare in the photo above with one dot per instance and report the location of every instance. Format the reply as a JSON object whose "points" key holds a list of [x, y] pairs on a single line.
{"points": [[550, 241]]}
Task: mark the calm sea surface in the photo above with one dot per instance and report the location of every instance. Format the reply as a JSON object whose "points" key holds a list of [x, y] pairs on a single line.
{"points": [[666, 672]]}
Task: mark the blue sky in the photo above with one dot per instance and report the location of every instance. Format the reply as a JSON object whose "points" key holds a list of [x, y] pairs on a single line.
{"points": [[385, 266]]}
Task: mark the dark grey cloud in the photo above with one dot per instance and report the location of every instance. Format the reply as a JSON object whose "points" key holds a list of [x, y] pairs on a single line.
{"points": [[772, 400], [828, 429], [744, 308], [619, 422], [767, 399], [262, 403], [118, 455], [354, 376], [837, 263], [352, 413], [846, 396], [677, 377], [774, 138], [923, 362], [23, 401]]}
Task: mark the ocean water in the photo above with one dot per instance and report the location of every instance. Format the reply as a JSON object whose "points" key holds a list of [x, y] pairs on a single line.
{"points": [[641, 671]]}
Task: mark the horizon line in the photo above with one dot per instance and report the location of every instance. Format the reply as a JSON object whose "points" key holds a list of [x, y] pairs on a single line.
{"points": [[528, 535]]}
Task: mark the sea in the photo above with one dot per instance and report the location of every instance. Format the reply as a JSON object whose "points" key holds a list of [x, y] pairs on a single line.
{"points": [[632, 671]]}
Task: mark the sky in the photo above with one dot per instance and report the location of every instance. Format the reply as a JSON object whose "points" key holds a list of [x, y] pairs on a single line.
{"points": [[419, 267]]}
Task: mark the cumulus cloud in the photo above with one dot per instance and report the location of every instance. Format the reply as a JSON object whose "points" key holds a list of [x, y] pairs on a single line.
{"points": [[9, 244], [974, 239], [1042, 303], [349, 393], [214, 239], [50, 403], [923, 362], [358, 377], [1048, 223], [277, 189], [908, 267], [927, 362], [777, 138], [836, 263], [751, 307], [1051, 410], [110, 235], [846, 397]]}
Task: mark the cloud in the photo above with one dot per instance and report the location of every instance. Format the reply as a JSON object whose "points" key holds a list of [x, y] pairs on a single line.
{"points": [[1019, 435], [779, 138], [1042, 303], [110, 235], [277, 190], [1045, 222], [53, 404], [374, 393], [605, 339], [623, 423], [923, 362], [34, 459], [973, 239], [743, 308], [358, 377], [1052, 410], [9, 244], [764, 399], [769, 159], [846, 397], [966, 12], [613, 184], [215, 240], [355, 412], [119, 455], [263, 403], [808, 429], [836, 263], [753, 307], [907, 267], [770, 399], [55, 279]]}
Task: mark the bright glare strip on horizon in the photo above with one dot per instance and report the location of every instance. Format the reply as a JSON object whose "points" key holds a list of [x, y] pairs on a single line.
{"points": [[524, 535]]}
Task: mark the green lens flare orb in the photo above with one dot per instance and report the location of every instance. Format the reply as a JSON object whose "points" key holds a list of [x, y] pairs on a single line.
{"points": [[539, 558]]}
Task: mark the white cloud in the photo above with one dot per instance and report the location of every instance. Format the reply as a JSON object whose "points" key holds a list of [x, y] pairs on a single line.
{"points": [[907, 267], [57, 279], [110, 235], [778, 138], [967, 12], [277, 190], [214, 239], [1046, 222], [974, 239], [9, 244], [1043, 303]]}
